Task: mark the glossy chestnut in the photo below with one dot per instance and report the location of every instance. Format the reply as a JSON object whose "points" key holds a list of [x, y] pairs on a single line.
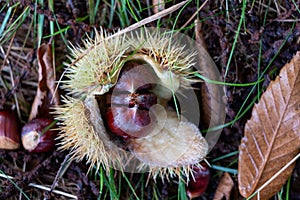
{"points": [[37, 135], [198, 183], [9, 130], [128, 104]]}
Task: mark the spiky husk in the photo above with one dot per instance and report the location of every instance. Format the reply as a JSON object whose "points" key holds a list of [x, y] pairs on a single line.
{"points": [[173, 144], [94, 70], [95, 67], [83, 132]]}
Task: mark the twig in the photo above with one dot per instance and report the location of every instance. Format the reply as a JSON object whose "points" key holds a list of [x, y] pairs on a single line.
{"points": [[63, 167], [11, 178], [42, 187], [274, 176], [13, 86], [54, 191], [24, 179], [194, 15]]}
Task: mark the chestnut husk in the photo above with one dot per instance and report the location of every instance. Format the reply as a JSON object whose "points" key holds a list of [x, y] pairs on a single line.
{"points": [[37, 135], [96, 71]]}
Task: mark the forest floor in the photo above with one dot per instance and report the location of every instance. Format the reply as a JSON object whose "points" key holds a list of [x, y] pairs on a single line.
{"points": [[249, 39]]}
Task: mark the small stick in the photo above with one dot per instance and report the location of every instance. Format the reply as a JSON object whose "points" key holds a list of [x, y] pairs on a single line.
{"points": [[194, 15], [274, 176], [60, 172], [54, 191], [62, 169]]}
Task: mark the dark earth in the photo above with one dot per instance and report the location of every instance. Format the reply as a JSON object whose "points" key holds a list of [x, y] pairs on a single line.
{"points": [[269, 37]]}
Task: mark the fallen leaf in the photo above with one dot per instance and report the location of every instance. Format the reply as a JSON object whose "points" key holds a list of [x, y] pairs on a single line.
{"points": [[224, 188], [212, 95], [272, 135], [199, 33], [46, 97]]}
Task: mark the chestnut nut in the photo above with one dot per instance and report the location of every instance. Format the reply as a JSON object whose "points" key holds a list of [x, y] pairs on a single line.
{"points": [[37, 135], [200, 179], [9, 130], [128, 112]]}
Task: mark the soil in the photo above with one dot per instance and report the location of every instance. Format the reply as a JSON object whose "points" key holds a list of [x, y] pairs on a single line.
{"points": [[276, 32]]}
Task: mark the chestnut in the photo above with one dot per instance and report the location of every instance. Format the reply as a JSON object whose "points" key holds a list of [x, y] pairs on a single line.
{"points": [[127, 114], [37, 135], [198, 181], [9, 130], [128, 122]]}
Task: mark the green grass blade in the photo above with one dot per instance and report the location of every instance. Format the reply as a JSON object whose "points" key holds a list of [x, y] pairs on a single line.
{"points": [[101, 182], [96, 8], [236, 37], [226, 156], [5, 20], [288, 188], [243, 112], [181, 189], [224, 169], [130, 186], [111, 185], [40, 27], [111, 13], [296, 6], [14, 26], [132, 13], [226, 83], [10, 180], [61, 31]]}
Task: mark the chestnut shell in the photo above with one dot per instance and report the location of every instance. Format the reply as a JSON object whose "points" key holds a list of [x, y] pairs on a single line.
{"points": [[127, 114], [38, 136], [198, 183], [9, 130]]}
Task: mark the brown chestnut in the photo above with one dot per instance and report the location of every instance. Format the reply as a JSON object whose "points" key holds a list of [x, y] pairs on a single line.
{"points": [[37, 135], [198, 183], [128, 104], [128, 122], [9, 130]]}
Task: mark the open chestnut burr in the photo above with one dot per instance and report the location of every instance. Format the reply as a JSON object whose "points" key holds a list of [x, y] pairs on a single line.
{"points": [[120, 88]]}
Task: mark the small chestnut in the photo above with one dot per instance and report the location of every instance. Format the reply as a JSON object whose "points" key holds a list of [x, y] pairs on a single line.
{"points": [[198, 183], [9, 130], [37, 135]]}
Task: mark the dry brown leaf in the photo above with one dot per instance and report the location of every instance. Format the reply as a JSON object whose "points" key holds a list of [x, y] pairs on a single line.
{"points": [[212, 95], [272, 135], [199, 33], [224, 188], [46, 96]]}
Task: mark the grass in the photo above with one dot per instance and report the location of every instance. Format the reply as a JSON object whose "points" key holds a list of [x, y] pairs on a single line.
{"points": [[8, 32], [10, 180], [242, 19], [121, 14], [181, 189]]}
